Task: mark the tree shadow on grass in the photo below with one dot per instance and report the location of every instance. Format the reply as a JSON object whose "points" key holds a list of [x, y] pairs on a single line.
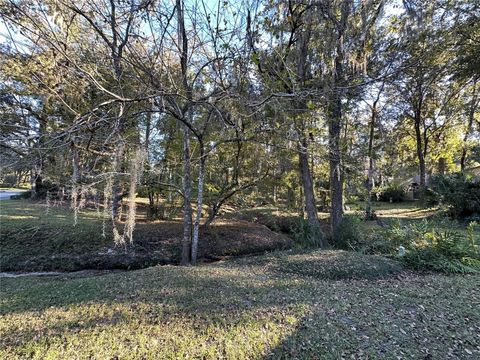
{"points": [[418, 317], [309, 315], [193, 297], [224, 295]]}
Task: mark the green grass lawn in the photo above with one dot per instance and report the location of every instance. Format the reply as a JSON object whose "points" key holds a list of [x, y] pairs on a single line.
{"points": [[302, 305]]}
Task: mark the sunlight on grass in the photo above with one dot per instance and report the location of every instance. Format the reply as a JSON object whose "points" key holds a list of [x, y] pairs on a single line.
{"points": [[273, 306], [416, 213], [22, 209], [18, 217]]}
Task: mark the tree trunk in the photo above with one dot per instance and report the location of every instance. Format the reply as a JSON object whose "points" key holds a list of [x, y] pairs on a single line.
{"points": [[37, 178], [196, 225], [336, 178], [368, 208], [420, 154], [471, 115], [187, 206], [309, 196], [117, 186], [274, 187], [187, 116], [117, 57], [37, 183], [442, 165]]}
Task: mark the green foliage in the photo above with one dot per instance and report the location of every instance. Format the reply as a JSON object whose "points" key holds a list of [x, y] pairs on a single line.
{"points": [[458, 193], [305, 234], [428, 248], [9, 181], [392, 193], [445, 251], [349, 235]]}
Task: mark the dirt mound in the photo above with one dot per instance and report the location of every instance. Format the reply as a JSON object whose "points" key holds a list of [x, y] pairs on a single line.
{"points": [[237, 237], [43, 249]]}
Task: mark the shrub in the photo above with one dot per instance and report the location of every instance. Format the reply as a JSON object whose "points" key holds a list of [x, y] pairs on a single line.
{"points": [[387, 240], [393, 193], [9, 181], [349, 233], [428, 248], [446, 251], [458, 193], [306, 235]]}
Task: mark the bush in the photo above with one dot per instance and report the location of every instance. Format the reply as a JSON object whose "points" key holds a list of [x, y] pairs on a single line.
{"points": [[349, 233], [446, 251], [9, 181], [306, 235], [387, 240], [427, 248], [393, 193], [458, 193]]}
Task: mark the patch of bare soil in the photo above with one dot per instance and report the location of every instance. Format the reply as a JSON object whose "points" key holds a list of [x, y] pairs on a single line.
{"points": [[155, 243], [221, 238], [237, 237]]}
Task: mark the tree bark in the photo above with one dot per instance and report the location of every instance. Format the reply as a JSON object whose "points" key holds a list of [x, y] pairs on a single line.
{"points": [[309, 195], [117, 186], [187, 206], [471, 115], [368, 209], [336, 178], [305, 174], [117, 57], [420, 154], [187, 116], [196, 225], [335, 120]]}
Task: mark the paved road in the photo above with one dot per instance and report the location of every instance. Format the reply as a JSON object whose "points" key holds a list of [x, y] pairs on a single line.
{"points": [[5, 195]]}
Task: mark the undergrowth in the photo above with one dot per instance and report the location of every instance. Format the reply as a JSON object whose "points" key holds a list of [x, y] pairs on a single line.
{"points": [[421, 245]]}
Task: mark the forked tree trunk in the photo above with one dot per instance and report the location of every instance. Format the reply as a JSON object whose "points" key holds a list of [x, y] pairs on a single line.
{"points": [[309, 196]]}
